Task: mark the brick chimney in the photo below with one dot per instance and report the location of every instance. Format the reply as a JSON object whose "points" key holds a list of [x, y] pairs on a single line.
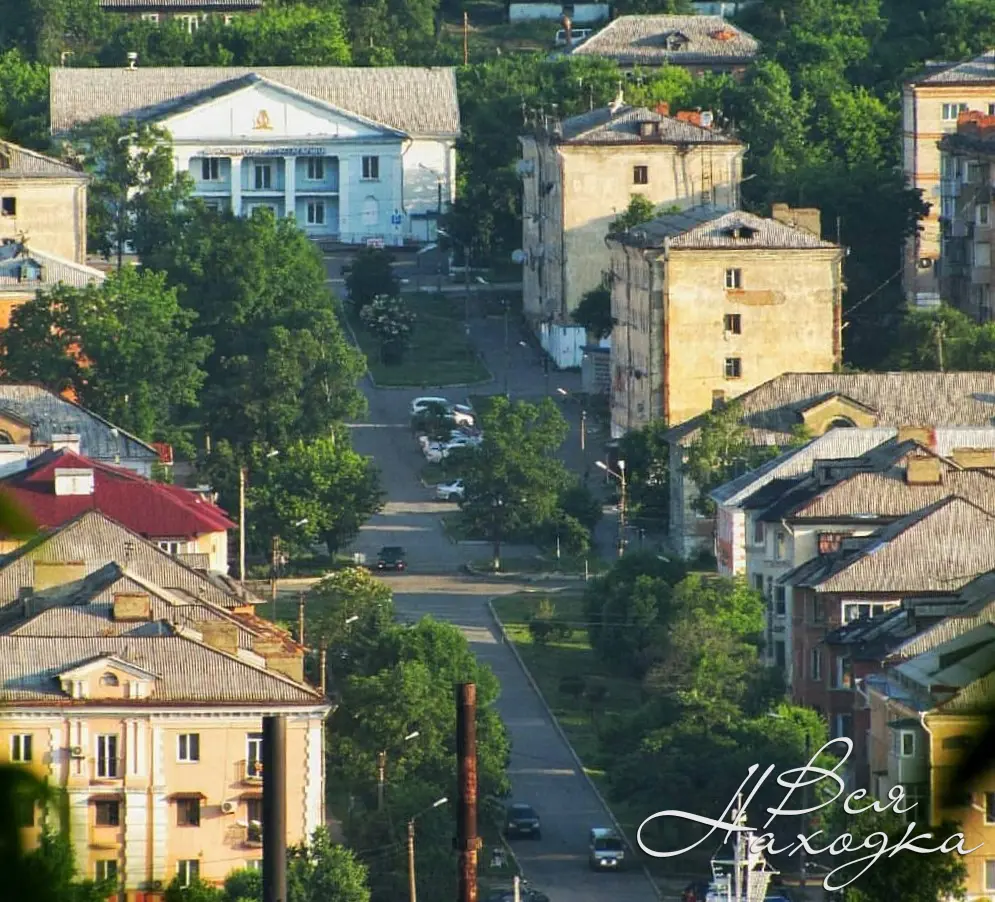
{"points": [[692, 116], [663, 108], [807, 218]]}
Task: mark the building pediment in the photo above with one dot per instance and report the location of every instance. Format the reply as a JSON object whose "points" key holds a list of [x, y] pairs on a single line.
{"points": [[837, 411], [107, 677], [258, 110]]}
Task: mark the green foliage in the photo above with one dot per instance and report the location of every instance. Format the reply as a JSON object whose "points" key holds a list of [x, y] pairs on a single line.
{"points": [[280, 369], [640, 210], [392, 322], [594, 313], [124, 348], [647, 474], [579, 502], [23, 99], [371, 275], [512, 482], [196, 891], [545, 626], [43, 29], [244, 885], [944, 339], [320, 871]]}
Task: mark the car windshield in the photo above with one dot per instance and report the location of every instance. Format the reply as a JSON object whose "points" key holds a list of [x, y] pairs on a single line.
{"points": [[522, 811], [391, 552], [608, 844]]}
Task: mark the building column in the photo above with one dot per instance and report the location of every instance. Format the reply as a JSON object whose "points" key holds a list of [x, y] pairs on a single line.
{"points": [[290, 186], [345, 227], [136, 834], [314, 788], [236, 185], [159, 814]]}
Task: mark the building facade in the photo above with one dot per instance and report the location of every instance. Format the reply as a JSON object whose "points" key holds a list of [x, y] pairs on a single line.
{"points": [[931, 106], [42, 203], [191, 14], [358, 156], [701, 302], [579, 174], [24, 271]]}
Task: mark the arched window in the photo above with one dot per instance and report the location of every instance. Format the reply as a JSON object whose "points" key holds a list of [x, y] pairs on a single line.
{"points": [[371, 211], [841, 423], [108, 679], [5, 438]]}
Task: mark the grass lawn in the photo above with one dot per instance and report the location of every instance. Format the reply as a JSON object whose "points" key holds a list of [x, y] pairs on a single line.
{"points": [[440, 353], [544, 563]]}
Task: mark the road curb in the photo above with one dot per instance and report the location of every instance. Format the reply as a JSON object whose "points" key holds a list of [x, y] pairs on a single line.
{"points": [[522, 577], [507, 640]]}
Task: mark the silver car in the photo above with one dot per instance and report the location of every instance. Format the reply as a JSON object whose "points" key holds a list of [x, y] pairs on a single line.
{"points": [[606, 851]]}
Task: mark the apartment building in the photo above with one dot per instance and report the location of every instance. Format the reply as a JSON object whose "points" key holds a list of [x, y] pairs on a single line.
{"points": [[932, 102], [191, 14], [578, 175], [702, 301]]}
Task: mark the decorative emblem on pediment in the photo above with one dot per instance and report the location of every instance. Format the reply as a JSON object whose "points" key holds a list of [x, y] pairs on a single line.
{"points": [[262, 122]]}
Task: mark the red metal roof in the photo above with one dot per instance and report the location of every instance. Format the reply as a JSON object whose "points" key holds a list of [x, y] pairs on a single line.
{"points": [[152, 509]]}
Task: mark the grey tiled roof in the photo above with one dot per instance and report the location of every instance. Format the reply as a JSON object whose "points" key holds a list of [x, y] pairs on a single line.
{"points": [[938, 549], [20, 163], [607, 125], [773, 409], [96, 540], [186, 671], [977, 610], [26, 269], [178, 5], [50, 414], [980, 69], [642, 41], [416, 101], [704, 228]]}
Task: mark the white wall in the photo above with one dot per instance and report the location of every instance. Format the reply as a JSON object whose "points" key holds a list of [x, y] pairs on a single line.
{"points": [[582, 12]]}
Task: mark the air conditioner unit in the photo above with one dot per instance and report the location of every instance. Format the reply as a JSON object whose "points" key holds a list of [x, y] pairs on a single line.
{"points": [[228, 807], [76, 751]]}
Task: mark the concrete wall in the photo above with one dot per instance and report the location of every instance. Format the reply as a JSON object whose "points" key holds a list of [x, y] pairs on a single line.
{"points": [[582, 12], [51, 213]]}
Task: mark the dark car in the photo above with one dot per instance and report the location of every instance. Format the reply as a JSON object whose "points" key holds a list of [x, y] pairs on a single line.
{"points": [[525, 894], [522, 820], [391, 557]]}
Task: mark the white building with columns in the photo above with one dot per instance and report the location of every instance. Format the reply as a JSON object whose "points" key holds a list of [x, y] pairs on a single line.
{"points": [[356, 155]]}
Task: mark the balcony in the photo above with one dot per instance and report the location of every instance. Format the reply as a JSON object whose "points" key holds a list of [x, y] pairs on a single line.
{"points": [[250, 771]]}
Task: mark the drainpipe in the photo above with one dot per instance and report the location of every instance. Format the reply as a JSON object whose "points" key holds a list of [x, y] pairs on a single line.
{"points": [[929, 764], [404, 150]]}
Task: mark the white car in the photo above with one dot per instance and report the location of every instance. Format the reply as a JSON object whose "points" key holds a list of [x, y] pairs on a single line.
{"points": [[420, 405], [461, 415], [452, 491], [462, 441]]}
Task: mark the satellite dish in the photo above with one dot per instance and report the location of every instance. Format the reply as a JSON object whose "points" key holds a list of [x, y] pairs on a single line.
{"points": [[519, 256]]}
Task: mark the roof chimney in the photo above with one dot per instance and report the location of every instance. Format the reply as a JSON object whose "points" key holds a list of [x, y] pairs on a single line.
{"points": [[809, 219], [132, 606], [66, 441], [973, 458], [663, 108], [132, 60], [923, 471], [70, 481]]}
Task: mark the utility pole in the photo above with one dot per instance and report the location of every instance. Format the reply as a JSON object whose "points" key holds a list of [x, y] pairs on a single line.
{"points": [[300, 618], [275, 564], [507, 349], [466, 43], [241, 525], [274, 809], [323, 667], [938, 333], [466, 813], [583, 430], [381, 777], [518, 888], [621, 508], [412, 889]]}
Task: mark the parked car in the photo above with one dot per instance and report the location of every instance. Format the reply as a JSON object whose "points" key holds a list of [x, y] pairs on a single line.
{"points": [[462, 441], [433, 452], [450, 491], [391, 557], [522, 820], [420, 405], [606, 850], [461, 415]]}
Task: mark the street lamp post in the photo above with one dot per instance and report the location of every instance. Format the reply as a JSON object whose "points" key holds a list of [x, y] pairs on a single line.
{"points": [[620, 476], [507, 349], [277, 559], [382, 769], [466, 275], [583, 420], [412, 890], [243, 475]]}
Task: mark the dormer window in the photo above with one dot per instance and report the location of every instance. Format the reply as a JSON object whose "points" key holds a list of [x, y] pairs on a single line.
{"points": [[108, 679], [676, 41], [739, 232]]}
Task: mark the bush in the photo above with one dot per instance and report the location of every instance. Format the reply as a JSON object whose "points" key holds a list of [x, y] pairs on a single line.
{"points": [[573, 686], [370, 274]]}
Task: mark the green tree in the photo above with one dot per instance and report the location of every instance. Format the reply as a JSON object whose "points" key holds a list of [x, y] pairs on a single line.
{"points": [[43, 29], [944, 338], [319, 871], [196, 891], [123, 347], [392, 322], [647, 474], [639, 211], [280, 368], [244, 885], [23, 100], [594, 313], [511, 483], [370, 275]]}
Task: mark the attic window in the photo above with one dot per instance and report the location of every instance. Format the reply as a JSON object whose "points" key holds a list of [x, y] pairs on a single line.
{"points": [[676, 41], [841, 423], [108, 679], [739, 231]]}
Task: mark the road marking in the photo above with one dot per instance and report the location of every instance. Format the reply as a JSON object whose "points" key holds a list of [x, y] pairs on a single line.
{"points": [[543, 771], [378, 425], [527, 721]]}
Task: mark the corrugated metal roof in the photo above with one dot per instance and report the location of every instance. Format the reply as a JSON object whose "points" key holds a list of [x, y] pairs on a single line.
{"points": [[707, 228], [979, 70], [178, 5], [20, 163], [186, 671], [643, 40], [24, 269], [413, 100], [609, 125]]}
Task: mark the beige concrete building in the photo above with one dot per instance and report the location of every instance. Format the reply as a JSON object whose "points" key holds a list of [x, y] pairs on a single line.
{"points": [[931, 105], [42, 203], [709, 304], [579, 174]]}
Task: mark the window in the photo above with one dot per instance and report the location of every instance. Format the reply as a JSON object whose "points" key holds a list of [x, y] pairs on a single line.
{"points": [[734, 278], [640, 175], [733, 323], [779, 600], [171, 547], [210, 169], [841, 673], [981, 213], [903, 743], [188, 747], [780, 545], [855, 610], [109, 679], [952, 110], [315, 169], [188, 812], [828, 542], [8, 206], [150, 17], [188, 870], [815, 664], [818, 610], [20, 747], [254, 864], [371, 168], [264, 176], [977, 173], [990, 807], [191, 22], [990, 874], [758, 532], [991, 109], [106, 868], [254, 816], [107, 813], [779, 655], [758, 582], [316, 212], [107, 761], [254, 753], [842, 725], [734, 367]]}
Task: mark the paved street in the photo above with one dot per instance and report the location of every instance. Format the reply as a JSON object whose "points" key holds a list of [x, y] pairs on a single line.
{"points": [[542, 771]]}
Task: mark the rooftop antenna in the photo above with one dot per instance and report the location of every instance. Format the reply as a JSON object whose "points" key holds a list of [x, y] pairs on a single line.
{"points": [[132, 59]]}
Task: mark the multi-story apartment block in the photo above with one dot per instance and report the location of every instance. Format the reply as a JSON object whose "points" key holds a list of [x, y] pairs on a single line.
{"points": [[191, 14], [702, 300], [579, 174], [931, 105]]}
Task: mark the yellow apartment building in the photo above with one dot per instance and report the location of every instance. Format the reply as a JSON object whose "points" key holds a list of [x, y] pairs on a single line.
{"points": [[43, 201], [579, 174], [931, 104], [157, 740], [926, 712], [709, 304]]}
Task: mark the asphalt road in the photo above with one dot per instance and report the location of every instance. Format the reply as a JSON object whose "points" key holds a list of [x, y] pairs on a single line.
{"points": [[542, 771]]}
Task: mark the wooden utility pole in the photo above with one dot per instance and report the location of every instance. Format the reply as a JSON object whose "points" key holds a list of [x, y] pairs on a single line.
{"points": [[323, 667], [466, 39], [241, 525], [300, 617], [466, 811], [412, 889], [274, 809], [381, 777], [275, 564]]}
